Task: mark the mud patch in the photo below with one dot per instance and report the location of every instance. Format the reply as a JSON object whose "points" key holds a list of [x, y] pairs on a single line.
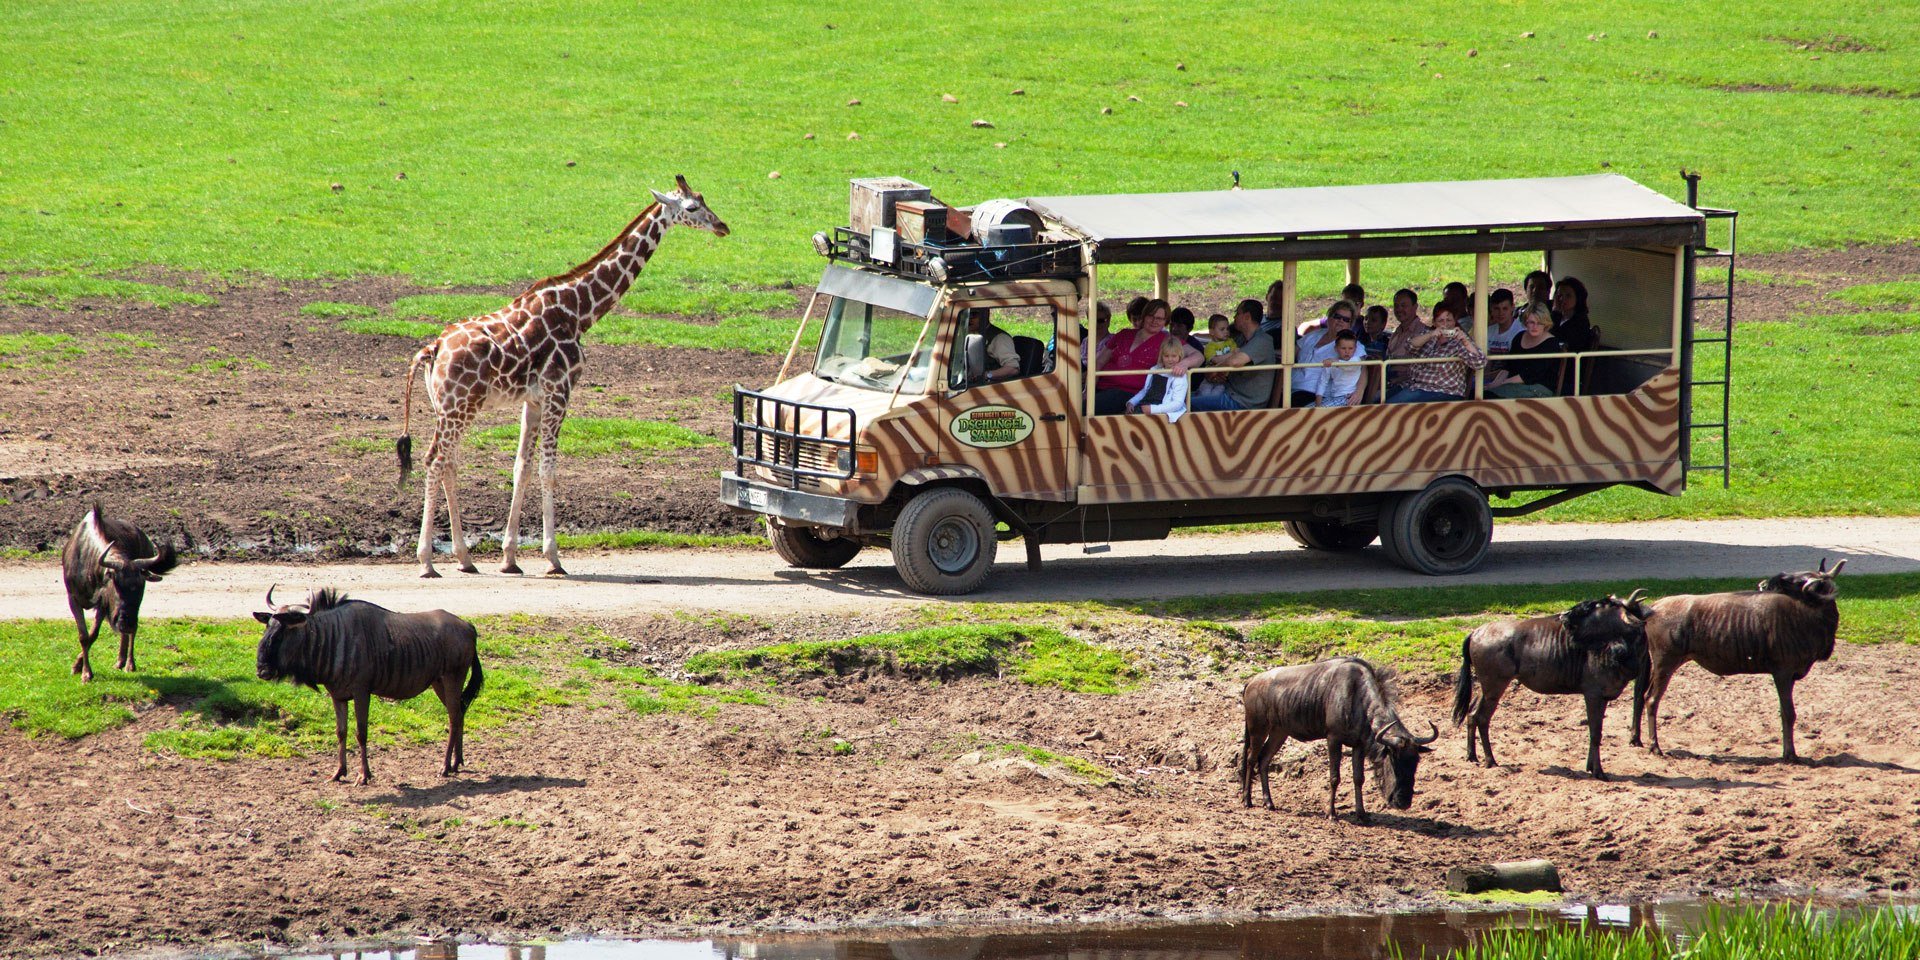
{"points": [[1883, 93], [1830, 43]]}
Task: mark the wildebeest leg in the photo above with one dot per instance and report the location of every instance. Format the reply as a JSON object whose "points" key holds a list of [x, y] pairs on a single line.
{"points": [[551, 418], [522, 472], [448, 687], [1249, 752], [1639, 704], [340, 735], [126, 651], [1272, 749], [1333, 778], [1596, 715], [81, 664], [1783, 685], [360, 705], [1359, 783], [1662, 673], [1491, 691]]}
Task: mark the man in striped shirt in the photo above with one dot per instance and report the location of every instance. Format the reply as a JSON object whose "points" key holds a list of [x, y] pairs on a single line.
{"points": [[1425, 382]]}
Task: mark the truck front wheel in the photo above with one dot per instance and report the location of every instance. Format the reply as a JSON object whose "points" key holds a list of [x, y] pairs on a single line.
{"points": [[805, 548], [944, 542]]}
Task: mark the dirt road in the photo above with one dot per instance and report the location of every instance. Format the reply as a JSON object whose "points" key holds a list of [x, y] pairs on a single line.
{"points": [[756, 582]]}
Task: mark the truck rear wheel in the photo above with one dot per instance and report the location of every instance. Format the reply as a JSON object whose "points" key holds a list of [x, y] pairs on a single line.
{"points": [[1440, 531], [1331, 535], [944, 542], [805, 548]]}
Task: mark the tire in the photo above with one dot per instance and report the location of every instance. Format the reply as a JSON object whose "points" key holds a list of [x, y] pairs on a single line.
{"points": [[805, 548], [944, 542], [1443, 530], [1332, 536], [1387, 510]]}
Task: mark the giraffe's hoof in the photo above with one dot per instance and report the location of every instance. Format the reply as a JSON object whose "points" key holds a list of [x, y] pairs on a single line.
{"points": [[556, 571], [430, 574], [469, 568], [510, 568]]}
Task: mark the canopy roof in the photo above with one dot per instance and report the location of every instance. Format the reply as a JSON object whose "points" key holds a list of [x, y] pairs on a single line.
{"points": [[1326, 222]]}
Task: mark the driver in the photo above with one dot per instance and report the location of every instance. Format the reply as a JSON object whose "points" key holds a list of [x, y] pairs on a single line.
{"points": [[1003, 361]]}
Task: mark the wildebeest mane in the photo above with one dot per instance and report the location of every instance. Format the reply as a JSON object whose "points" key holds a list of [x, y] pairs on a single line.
{"points": [[325, 598]]}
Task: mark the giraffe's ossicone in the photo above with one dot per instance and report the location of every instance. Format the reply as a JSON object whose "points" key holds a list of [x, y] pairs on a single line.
{"points": [[528, 353]]}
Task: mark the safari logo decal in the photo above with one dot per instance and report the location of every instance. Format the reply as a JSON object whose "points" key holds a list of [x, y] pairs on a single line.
{"points": [[991, 427]]}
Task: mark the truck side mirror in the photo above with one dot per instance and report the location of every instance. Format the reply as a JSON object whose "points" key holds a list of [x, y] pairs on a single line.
{"points": [[974, 369]]}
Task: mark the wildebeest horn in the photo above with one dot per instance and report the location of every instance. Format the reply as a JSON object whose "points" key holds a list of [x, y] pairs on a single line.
{"points": [[1634, 597], [1836, 567], [270, 605], [1423, 741]]}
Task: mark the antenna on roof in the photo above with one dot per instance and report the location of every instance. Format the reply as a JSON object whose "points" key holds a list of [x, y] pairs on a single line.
{"points": [[1236, 180]]}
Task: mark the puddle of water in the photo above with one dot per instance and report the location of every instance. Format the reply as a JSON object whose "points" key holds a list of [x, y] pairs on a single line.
{"points": [[1338, 937]]}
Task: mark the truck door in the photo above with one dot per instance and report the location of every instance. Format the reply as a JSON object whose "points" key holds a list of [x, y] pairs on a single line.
{"points": [[1013, 419]]}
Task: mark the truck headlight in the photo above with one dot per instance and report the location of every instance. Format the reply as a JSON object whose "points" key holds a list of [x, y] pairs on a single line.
{"points": [[822, 244]]}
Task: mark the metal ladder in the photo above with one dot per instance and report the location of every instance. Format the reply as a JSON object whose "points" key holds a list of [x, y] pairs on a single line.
{"points": [[1695, 254]]}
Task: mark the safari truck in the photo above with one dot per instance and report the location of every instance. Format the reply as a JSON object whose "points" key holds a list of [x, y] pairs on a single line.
{"points": [[899, 432]]}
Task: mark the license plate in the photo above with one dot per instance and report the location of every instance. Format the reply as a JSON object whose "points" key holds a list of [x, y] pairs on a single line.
{"points": [[756, 499]]}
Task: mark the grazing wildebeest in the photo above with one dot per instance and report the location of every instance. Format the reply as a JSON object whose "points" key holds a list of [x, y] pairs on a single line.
{"points": [[1594, 649], [1343, 702], [1782, 628], [106, 564], [358, 651]]}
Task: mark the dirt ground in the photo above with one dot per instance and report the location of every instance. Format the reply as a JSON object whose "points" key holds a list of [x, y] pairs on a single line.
{"points": [[249, 429], [602, 821]]}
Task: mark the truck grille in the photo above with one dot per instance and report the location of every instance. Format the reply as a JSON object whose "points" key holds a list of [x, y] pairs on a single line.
{"points": [[789, 441]]}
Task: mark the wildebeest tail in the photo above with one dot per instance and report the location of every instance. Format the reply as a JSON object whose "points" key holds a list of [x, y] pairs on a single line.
{"points": [[474, 682], [403, 447], [1463, 684]]}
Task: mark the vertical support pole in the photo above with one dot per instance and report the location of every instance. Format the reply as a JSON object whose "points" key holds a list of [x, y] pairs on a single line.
{"points": [[1093, 329], [1289, 319], [1160, 278], [1353, 271], [1482, 272]]}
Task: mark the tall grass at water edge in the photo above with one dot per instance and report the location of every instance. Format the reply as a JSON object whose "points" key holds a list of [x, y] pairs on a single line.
{"points": [[1767, 933]]}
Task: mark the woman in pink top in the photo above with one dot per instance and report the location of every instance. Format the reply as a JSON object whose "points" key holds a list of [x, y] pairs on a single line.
{"points": [[1135, 348]]}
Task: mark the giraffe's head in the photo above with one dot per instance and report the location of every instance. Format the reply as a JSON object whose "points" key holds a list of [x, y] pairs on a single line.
{"points": [[689, 209]]}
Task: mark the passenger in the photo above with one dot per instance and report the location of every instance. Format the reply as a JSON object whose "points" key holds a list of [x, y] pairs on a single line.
{"points": [[1570, 321], [1253, 347], [1003, 361], [1319, 346], [1220, 340], [1539, 289], [1532, 378], [1341, 386], [1502, 325], [1406, 311], [1373, 335], [1357, 295], [1270, 319], [1165, 392], [1180, 324], [1135, 348], [1102, 329], [1427, 382], [1455, 295]]}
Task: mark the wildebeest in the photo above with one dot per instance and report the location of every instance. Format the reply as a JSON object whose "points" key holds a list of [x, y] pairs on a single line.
{"points": [[358, 651], [1343, 702], [1782, 628], [1594, 649], [106, 564]]}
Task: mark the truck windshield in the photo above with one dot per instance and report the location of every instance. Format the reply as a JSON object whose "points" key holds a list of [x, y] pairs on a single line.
{"points": [[868, 346]]}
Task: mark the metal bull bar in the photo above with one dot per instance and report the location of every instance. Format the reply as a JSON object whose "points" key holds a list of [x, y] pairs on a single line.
{"points": [[779, 443]]}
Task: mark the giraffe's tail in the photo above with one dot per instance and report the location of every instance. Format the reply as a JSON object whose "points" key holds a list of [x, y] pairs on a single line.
{"points": [[403, 447]]}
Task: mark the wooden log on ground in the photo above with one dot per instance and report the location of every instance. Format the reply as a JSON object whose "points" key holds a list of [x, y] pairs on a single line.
{"points": [[1518, 875]]}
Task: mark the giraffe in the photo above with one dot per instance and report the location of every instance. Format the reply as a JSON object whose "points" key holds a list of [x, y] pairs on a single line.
{"points": [[528, 352]]}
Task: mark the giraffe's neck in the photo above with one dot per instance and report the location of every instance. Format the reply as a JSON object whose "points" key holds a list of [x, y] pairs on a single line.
{"points": [[573, 302]]}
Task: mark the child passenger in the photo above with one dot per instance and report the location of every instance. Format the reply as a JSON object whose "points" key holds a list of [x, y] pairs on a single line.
{"points": [[1219, 341], [1340, 386], [1166, 391]]}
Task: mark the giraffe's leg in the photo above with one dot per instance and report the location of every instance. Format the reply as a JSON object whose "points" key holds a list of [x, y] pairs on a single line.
{"points": [[554, 413], [448, 487], [522, 469], [434, 481]]}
